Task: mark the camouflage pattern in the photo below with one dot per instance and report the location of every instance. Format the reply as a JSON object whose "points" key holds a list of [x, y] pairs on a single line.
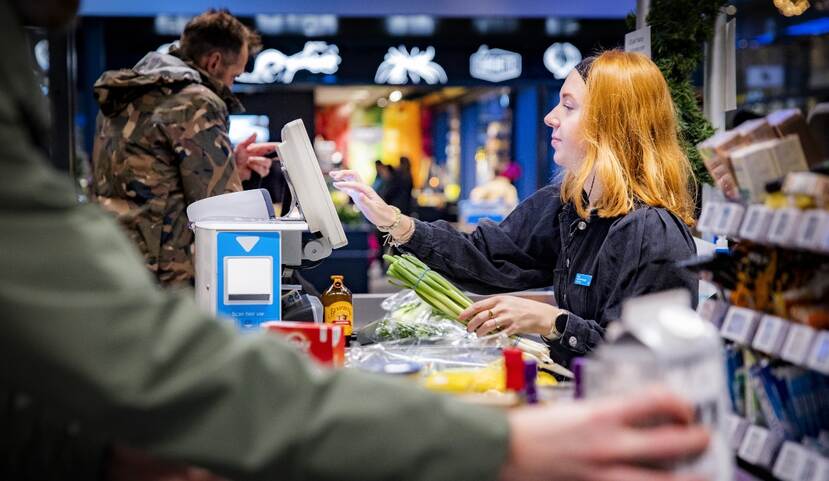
{"points": [[161, 143]]}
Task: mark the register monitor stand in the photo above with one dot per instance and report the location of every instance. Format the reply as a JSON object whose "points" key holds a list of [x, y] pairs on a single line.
{"points": [[242, 251]]}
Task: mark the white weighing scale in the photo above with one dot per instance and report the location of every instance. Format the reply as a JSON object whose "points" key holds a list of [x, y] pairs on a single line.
{"points": [[243, 251]]}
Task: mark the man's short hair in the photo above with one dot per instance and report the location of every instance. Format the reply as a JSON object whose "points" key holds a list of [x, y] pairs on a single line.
{"points": [[217, 30]]}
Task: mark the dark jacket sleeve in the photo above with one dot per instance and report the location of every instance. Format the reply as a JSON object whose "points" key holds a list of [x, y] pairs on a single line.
{"points": [[519, 253], [641, 255]]}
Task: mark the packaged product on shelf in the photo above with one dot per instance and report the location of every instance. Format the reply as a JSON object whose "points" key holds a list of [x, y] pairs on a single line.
{"points": [[715, 153], [660, 340], [788, 153], [754, 167], [791, 121], [756, 130], [810, 184]]}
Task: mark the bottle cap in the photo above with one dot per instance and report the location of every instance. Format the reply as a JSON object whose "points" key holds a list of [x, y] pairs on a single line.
{"points": [[530, 373], [514, 364]]}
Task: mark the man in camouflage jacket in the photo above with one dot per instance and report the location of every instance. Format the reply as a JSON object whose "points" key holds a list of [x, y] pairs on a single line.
{"points": [[162, 141]]}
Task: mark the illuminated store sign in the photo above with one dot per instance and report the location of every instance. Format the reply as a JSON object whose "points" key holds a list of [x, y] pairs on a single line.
{"points": [[560, 58], [271, 65], [399, 66], [494, 65]]}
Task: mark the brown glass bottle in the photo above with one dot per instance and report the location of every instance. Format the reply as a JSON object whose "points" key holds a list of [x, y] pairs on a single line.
{"points": [[339, 310]]}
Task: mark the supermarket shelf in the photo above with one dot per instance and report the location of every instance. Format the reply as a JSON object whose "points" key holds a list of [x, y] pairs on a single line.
{"points": [[773, 336], [765, 456], [789, 228]]}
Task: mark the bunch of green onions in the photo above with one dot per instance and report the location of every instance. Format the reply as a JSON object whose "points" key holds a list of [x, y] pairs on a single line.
{"points": [[430, 286], [445, 298]]}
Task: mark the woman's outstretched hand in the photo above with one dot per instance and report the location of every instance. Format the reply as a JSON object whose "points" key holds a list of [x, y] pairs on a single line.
{"points": [[376, 210]]}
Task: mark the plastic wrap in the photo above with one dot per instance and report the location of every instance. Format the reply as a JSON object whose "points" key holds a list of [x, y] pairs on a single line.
{"points": [[407, 316]]}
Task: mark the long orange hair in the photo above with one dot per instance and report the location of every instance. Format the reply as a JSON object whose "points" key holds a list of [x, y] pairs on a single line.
{"points": [[631, 140]]}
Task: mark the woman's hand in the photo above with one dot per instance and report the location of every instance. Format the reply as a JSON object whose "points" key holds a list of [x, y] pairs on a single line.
{"points": [[376, 210], [510, 314]]}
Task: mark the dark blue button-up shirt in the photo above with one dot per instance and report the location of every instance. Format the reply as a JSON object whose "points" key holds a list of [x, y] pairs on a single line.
{"points": [[593, 264]]}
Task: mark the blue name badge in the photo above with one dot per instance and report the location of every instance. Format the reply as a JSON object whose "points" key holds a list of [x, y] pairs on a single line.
{"points": [[583, 280]]}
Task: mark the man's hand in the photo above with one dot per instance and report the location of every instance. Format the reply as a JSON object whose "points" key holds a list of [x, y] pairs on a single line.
{"points": [[634, 438], [249, 157]]}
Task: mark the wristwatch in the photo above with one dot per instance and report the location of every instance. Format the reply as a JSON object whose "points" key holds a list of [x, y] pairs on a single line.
{"points": [[558, 327]]}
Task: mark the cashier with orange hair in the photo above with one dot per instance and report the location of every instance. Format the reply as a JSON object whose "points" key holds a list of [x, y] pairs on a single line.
{"points": [[613, 226]]}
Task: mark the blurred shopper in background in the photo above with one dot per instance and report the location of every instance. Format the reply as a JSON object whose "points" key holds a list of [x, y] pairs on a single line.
{"points": [[403, 199], [497, 189], [162, 142]]}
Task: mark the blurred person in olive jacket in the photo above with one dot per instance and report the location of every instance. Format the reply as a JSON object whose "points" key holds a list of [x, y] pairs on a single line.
{"points": [[94, 354]]}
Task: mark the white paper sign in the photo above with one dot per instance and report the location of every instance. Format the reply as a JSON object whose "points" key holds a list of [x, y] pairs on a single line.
{"points": [[639, 41], [756, 223], [790, 461], [759, 446], [810, 229], [708, 217], [819, 356], [771, 334], [784, 226], [735, 427], [798, 343], [739, 325], [754, 441]]}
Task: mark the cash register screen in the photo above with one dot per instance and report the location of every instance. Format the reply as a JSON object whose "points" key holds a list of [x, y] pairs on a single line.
{"points": [[249, 280]]}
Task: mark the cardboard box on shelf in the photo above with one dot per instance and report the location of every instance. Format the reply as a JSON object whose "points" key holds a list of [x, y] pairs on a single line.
{"points": [[791, 121], [754, 167]]}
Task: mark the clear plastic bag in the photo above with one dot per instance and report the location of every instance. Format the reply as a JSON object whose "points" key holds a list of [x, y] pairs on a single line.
{"points": [[429, 354], [407, 316]]}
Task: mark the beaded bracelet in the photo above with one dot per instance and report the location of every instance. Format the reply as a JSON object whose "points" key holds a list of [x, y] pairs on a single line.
{"points": [[397, 218]]}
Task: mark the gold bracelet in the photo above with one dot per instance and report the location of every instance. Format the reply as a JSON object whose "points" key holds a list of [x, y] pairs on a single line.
{"points": [[397, 218], [404, 238]]}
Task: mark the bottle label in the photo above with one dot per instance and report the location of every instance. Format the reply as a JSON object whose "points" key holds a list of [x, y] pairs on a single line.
{"points": [[340, 313]]}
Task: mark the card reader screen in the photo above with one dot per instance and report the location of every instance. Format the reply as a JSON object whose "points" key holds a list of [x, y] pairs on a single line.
{"points": [[249, 280]]}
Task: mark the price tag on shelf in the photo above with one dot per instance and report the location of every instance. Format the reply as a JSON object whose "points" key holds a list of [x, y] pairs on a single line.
{"points": [[810, 469], [759, 446], [790, 462], [708, 217], [823, 238], [798, 344], [714, 311], [784, 226], [756, 223], [729, 217], [810, 229], [771, 334], [735, 429], [819, 356], [740, 324]]}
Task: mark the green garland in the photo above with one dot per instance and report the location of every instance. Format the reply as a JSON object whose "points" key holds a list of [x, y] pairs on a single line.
{"points": [[679, 28]]}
